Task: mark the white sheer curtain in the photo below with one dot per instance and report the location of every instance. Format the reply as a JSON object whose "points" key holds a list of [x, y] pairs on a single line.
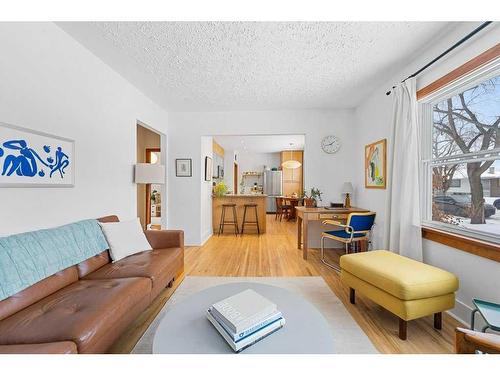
{"points": [[403, 233]]}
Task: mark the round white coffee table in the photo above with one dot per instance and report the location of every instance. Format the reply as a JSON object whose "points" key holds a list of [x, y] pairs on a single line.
{"points": [[185, 328]]}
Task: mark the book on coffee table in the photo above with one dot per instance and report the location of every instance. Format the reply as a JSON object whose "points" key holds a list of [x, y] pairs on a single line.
{"points": [[243, 310], [245, 318], [238, 336], [249, 340]]}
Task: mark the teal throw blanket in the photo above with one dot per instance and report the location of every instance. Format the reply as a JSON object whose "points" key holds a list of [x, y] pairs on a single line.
{"points": [[27, 258]]}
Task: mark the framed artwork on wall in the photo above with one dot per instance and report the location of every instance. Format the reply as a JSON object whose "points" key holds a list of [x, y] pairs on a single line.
{"points": [[208, 168], [376, 165], [183, 168], [29, 158]]}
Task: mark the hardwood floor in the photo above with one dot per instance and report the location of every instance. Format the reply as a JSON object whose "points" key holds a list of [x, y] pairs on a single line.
{"points": [[275, 254]]}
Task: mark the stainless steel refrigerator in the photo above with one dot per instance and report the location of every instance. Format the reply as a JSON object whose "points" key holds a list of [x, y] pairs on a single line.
{"points": [[273, 187]]}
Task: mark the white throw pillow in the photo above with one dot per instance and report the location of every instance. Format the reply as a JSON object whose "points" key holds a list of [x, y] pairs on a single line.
{"points": [[125, 238]]}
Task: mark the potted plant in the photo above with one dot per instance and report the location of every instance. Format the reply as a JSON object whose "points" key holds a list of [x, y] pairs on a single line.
{"points": [[220, 189], [311, 200]]}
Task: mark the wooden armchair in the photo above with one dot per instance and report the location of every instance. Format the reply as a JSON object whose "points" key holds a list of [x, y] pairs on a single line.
{"points": [[467, 342]]}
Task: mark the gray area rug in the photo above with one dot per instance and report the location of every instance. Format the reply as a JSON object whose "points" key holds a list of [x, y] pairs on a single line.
{"points": [[349, 338]]}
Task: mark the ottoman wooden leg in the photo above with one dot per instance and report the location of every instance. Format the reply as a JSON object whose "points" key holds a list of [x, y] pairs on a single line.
{"points": [[402, 328], [438, 320], [352, 296]]}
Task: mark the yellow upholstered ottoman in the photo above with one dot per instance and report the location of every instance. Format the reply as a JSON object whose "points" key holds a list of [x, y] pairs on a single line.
{"points": [[405, 287]]}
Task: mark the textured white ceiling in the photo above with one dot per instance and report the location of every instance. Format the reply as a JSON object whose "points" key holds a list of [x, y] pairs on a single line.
{"points": [[198, 66], [261, 143]]}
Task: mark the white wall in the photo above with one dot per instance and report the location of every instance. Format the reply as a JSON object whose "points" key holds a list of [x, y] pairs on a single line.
{"points": [[327, 172], [479, 277], [255, 162], [49, 82], [229, 156]]}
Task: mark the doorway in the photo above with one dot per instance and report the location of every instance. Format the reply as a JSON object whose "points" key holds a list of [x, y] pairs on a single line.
{"points": [[149, 196]]}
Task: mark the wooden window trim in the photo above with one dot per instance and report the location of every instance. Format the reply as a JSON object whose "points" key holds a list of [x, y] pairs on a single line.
{"points": [[469, 66], [470, 245]]}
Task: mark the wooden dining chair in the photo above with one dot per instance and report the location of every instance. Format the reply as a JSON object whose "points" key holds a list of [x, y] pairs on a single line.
{"points": [[282, 209]]}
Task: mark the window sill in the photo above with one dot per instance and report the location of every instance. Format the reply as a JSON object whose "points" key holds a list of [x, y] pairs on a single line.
{"points": [[474, 246]]}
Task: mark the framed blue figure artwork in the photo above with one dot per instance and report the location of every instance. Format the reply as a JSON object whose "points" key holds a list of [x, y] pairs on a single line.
{"points": [[29, 158]]}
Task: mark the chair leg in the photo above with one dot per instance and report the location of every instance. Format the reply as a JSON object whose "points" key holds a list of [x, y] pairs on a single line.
{"points": [[438, 320], [352, 295], [403, 326], [331, 265]]}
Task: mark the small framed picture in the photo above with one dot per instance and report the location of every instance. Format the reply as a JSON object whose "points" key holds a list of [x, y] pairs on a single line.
{"points": [[208, 168], [376, 165], [183, 168]]}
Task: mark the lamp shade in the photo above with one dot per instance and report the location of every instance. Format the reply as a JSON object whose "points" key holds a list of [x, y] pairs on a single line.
{"points": [[347, 188], [146, 173]]}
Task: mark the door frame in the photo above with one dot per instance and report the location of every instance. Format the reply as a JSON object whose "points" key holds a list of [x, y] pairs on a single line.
{"points": [[235, 178], [149, 151]]}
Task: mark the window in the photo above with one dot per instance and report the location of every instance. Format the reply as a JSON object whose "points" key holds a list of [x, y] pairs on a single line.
{"points": [[461, 155]]}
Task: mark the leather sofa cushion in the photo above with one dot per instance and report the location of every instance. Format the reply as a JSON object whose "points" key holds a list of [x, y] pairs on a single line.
{"points": [[61, 347], [92, 264], [37, 291], [91, 313], [160, 265], [399, 276]]}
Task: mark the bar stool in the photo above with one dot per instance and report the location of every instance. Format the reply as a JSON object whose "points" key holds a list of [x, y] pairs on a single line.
{"points": [[223, 218], [256, 222]]}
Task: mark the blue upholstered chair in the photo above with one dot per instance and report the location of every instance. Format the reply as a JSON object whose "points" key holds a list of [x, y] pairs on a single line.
{"points": [[357, 228]]}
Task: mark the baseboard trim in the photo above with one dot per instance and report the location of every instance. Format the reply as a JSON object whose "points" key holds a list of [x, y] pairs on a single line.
{"points": [[462, 313], [206, 237]]}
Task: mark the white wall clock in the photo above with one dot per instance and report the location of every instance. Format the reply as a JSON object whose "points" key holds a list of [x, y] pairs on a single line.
{"points": [[330, 144]]}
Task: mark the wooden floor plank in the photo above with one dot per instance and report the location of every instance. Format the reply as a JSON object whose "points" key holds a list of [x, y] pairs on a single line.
{"points": [[275, 254]]}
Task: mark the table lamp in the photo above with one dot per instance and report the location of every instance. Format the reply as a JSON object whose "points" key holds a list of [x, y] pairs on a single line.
{"points": [[347, 189], [146, 173]]}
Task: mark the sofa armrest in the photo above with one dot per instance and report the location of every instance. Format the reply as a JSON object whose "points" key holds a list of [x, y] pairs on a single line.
{"points": [[161, 239], [60, 347]]}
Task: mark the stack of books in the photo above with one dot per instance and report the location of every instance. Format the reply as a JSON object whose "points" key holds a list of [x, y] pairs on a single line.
{"points": [[245, 318]]}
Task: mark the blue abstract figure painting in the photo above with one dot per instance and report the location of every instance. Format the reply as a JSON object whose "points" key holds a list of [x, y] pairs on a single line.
{"points": [[31, 158]]}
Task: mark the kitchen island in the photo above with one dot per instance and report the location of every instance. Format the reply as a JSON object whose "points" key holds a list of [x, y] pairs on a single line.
{"points": [[240, 200]]}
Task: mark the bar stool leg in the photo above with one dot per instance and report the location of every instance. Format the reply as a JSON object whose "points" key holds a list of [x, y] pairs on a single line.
{"points": [[221, 223], [244, 219], [257, 221], [235, 219]]}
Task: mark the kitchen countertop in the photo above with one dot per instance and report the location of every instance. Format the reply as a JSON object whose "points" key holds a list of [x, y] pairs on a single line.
{"points": [[242, 195]]}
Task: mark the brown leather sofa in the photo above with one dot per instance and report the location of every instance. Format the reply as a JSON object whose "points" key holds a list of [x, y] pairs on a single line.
{"points": [[86, 307]]}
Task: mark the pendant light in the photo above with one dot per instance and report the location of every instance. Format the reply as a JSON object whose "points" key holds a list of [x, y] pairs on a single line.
{"points": [[291, 164]]}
